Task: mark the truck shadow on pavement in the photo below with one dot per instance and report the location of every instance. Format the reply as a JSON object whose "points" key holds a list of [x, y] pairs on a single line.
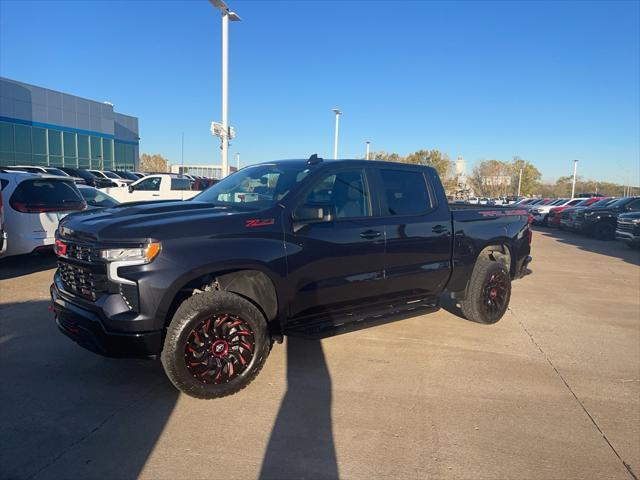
{"points": [[301, 443], [21, 265], [611, 248], [68, 413]]}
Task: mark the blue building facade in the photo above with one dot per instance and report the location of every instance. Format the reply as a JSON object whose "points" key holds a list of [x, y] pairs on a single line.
{"points": [[39, 126]]}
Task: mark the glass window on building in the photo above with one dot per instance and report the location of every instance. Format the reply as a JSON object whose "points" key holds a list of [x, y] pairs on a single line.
{"points": [[6, 137], [107, 153], [55, 143], [39, 141], [83, 146], [69, 144], [96, 152], [22, 136]]}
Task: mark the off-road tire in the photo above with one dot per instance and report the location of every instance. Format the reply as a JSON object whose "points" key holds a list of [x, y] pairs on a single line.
{"points": [[191, 314], [475, 305]]}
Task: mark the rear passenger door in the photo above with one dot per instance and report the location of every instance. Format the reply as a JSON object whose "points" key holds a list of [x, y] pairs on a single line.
{"points": [[417, 230]]}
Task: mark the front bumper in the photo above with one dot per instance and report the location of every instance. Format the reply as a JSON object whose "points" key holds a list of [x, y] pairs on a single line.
{"points": [[628, 237], [86, 328]]}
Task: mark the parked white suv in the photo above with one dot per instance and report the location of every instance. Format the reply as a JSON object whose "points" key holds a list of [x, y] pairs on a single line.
{"points": [[33, 205]]}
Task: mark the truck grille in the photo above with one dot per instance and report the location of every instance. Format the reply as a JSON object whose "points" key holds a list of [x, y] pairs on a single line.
{"points": [[625, 227], [83, 253], [85, 282]]}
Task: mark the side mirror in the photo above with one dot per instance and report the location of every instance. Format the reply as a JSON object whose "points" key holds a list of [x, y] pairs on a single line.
{"points": [[130, 188], [313, 214]]}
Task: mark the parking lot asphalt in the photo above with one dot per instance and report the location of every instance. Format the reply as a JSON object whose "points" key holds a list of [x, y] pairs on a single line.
{"points": [[551, 391]]}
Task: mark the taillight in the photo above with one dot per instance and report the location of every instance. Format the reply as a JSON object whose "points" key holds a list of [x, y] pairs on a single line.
{"points": [[530, 219]]}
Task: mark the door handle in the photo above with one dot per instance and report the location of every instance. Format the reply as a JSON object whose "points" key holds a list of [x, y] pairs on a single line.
{"points": [[370, 234], [155, 194], [439, 229]]}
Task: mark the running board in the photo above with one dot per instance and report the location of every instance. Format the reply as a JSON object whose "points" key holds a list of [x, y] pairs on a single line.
{"points": [[344, 322]]}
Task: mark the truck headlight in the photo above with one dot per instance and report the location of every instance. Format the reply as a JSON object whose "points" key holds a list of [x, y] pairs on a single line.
{"points": [[139, 255]]}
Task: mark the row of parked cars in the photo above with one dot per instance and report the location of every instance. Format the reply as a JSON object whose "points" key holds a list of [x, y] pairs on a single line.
{"points": [[33, 199], [604, 218]]}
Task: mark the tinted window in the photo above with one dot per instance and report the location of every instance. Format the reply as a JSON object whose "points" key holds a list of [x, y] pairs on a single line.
{"points": [[180, 184], [112, 175], [258, 186], [406, 192], [56, 194], [574, 202], [345, 193], [149, 185], [634, 206], [96, 198]]}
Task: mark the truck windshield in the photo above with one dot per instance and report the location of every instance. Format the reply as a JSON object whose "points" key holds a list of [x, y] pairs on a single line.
{"points": [[259, 186]]}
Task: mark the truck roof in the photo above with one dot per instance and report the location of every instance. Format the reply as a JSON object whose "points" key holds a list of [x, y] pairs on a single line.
{"points": [[355, 161]]}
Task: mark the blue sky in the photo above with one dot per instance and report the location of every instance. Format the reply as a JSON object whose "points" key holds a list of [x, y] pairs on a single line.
{"points": [[548, 81]]}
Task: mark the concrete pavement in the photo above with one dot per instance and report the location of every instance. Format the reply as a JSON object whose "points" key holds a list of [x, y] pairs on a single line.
{"points": [[551, 391]]}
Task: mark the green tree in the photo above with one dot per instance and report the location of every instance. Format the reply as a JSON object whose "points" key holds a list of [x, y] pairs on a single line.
{"points": [[153, 163], [531, 176], [492, 178]]}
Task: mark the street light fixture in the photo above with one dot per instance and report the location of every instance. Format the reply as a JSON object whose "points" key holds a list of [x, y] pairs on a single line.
{"points": [[227, 16], [335, 140]]}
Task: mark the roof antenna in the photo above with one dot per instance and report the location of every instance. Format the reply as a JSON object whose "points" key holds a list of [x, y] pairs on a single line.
{"points": [[313, 159]]}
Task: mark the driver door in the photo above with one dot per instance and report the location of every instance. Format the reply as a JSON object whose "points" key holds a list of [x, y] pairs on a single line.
{"points": [[145, 190], [336, 261]]}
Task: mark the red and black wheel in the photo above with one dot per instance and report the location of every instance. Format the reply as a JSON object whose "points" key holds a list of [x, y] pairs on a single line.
{"points": [[488, 292], [216, 344]]}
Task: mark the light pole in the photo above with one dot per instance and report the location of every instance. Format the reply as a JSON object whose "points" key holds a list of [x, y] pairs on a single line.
{"points": [[367, 155], [226, 16], [519, 182], [237, 161], [573, 185], [335, 139]]}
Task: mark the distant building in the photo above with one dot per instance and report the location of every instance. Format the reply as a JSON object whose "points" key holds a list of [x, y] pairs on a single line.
{"points": [[209, 171], [497, 180], [39, 126]]}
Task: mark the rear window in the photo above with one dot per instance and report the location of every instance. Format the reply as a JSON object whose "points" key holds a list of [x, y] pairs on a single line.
{"points": [[46, 195], [406, 192], [180, 184]]}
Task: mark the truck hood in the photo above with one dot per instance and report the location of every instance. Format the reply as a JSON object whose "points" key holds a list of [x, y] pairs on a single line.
{"points": [[139, 221]]}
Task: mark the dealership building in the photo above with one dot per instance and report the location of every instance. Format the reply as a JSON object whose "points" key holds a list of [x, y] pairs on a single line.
{"points": [[45, 127]]}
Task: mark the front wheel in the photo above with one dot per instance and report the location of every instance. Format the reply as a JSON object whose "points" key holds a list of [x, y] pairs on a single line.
{"points": [[488, 292], [216, 344]]}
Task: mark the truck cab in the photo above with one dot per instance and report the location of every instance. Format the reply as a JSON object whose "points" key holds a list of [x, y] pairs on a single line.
{"points": [[155, 187]]}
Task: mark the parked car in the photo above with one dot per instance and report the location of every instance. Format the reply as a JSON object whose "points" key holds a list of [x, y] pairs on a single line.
{"points": [[45, 170], [88, 177], [541, 213], [3, 233], [576, 216], [126, 175], [96, 198], [628, 229], [564, 216], [601, 221], [154, 187], [33, 206], [298, 247], [116, 180]]}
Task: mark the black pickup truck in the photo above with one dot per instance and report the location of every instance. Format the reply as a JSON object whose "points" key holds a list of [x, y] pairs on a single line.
{"points": [[293, 247]]}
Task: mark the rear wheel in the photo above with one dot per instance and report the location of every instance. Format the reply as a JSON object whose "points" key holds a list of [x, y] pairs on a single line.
{"points": [[216, 345], [488, 292]]}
